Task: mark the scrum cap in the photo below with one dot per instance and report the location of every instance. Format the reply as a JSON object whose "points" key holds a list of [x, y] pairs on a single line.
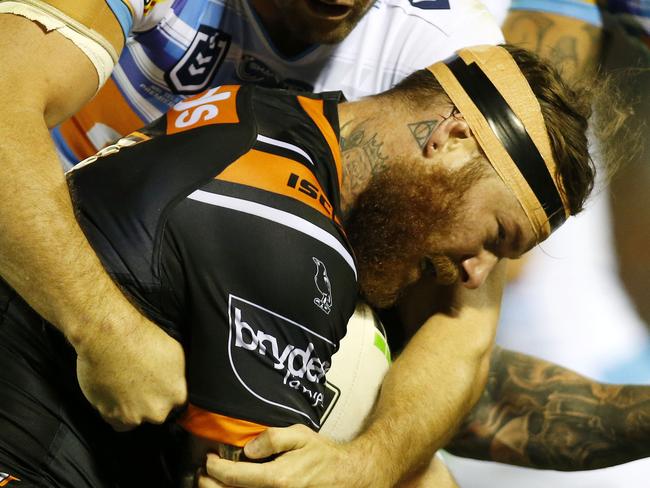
{"points": [[491, 92]]}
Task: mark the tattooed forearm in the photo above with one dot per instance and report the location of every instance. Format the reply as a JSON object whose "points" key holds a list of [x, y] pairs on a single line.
{"points": [[540, 415], [569, 43], [564, 53], [362, 154], [527, 29]]}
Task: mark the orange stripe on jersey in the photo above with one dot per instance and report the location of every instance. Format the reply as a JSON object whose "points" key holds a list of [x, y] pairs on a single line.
{"points": [[75, 138], [314, 108], [138, 136], [5, 479], [109, 107], [219, 428], [215, 106], [278, 175]]}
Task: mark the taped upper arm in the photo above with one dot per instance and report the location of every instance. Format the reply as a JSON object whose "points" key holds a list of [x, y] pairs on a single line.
{"points": [[106, 21], [41, 71], [97, 28]]}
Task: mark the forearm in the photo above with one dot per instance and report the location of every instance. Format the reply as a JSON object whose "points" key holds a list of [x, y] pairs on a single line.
{"points": [[572, 45], [43, 253], [540, 415], [434, 382], [127, 368], [413, 418]]}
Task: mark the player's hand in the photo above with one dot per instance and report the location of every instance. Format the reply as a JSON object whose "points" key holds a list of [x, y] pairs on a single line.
{"points": [[308, 461], [133, 377]]}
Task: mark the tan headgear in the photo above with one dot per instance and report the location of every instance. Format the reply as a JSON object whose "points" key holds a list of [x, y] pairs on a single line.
{"points": [[494, 97]]}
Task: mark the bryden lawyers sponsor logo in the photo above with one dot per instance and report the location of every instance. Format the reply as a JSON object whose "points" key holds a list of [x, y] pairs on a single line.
{"points": [[278, 360]]}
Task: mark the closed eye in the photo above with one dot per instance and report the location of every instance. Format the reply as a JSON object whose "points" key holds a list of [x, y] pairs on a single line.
{"points": [[427, 267], [497, 242]]}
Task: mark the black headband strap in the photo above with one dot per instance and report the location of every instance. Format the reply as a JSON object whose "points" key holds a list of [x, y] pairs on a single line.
{"points": [[509, 129]]}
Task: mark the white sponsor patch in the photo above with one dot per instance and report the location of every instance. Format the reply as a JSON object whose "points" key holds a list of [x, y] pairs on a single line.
{"points": [[274, 357]]}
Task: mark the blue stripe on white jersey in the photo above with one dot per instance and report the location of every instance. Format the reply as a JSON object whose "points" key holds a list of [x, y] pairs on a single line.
{"points": [[147, 108], [123, 14], [584, 10], [177, 46]]}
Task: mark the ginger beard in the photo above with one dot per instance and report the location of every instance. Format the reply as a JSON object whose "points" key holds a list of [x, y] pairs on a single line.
{"points": [[405, 215]]}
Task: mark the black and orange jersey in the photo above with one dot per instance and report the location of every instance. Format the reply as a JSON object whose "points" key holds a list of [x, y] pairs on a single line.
{"points": [[222, 221]]}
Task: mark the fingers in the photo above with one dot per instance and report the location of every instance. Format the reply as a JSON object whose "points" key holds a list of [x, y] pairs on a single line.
{"points": [[224, 473], [205, 482], [120, 426], [278, 440]]}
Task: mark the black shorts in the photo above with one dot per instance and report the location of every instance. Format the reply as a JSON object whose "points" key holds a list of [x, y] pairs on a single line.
{"points": [[50, 436]]}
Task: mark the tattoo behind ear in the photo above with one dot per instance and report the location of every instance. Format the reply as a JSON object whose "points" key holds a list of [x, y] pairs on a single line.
{"points": [[422, 131]]}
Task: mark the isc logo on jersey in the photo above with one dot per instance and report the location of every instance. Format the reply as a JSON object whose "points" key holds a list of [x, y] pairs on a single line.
{"points": [[215, 106], [278, 360]]}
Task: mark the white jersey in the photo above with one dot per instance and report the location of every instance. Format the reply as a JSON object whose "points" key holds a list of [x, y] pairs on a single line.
{"points": [[180, 47]]}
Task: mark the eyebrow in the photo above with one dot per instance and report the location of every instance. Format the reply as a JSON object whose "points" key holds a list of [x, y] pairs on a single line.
{"points": [[514, 234]]}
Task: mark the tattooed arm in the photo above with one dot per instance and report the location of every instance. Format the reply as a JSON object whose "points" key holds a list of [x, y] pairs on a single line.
{"points": [[540, 415], [572, 45]]}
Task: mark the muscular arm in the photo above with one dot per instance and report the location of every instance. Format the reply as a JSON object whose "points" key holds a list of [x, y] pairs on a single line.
{"points": [[537, 414], [412, 419], [571, 45], [44, 255]]}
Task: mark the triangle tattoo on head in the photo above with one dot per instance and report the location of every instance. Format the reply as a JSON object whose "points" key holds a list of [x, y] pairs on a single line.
{"points": [[422, 130]]}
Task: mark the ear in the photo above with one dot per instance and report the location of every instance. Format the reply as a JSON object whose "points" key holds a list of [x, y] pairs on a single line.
{"points": [[446, 131]]}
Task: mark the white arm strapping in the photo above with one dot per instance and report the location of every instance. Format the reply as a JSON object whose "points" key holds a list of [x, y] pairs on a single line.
{"points": [[99, 51]]}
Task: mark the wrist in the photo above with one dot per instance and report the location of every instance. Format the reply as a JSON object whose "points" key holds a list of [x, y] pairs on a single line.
{"points": [[94, 318], [373, 461]]}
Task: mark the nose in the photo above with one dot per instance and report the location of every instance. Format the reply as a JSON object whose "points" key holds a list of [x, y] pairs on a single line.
{"points": [[477, 268]]}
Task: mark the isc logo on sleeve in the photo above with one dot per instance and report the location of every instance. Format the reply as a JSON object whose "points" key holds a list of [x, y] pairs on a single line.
{"points": [[215, 106]]}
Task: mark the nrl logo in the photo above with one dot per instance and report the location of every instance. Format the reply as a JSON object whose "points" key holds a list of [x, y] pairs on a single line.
{"points": [[196, 69], [324, 287]]}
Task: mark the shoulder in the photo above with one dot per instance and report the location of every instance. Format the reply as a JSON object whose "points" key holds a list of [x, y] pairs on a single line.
{"points": [[439, 27], [443, 14]]}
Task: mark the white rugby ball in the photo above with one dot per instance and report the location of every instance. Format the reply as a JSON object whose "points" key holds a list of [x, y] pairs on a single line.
{"points": [[357, 370]]}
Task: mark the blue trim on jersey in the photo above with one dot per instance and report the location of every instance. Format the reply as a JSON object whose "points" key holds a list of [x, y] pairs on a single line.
{"points": [[179, 6], [635, 370], [578, 9], [63, 147], [122, 14], [137, 79], [213, 15], [189, 12]]}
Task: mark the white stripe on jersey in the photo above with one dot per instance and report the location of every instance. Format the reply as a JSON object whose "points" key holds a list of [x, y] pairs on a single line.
{"points": [[285, 145], [177, 31], [144, 107], [146, 66], [279, 216]]}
